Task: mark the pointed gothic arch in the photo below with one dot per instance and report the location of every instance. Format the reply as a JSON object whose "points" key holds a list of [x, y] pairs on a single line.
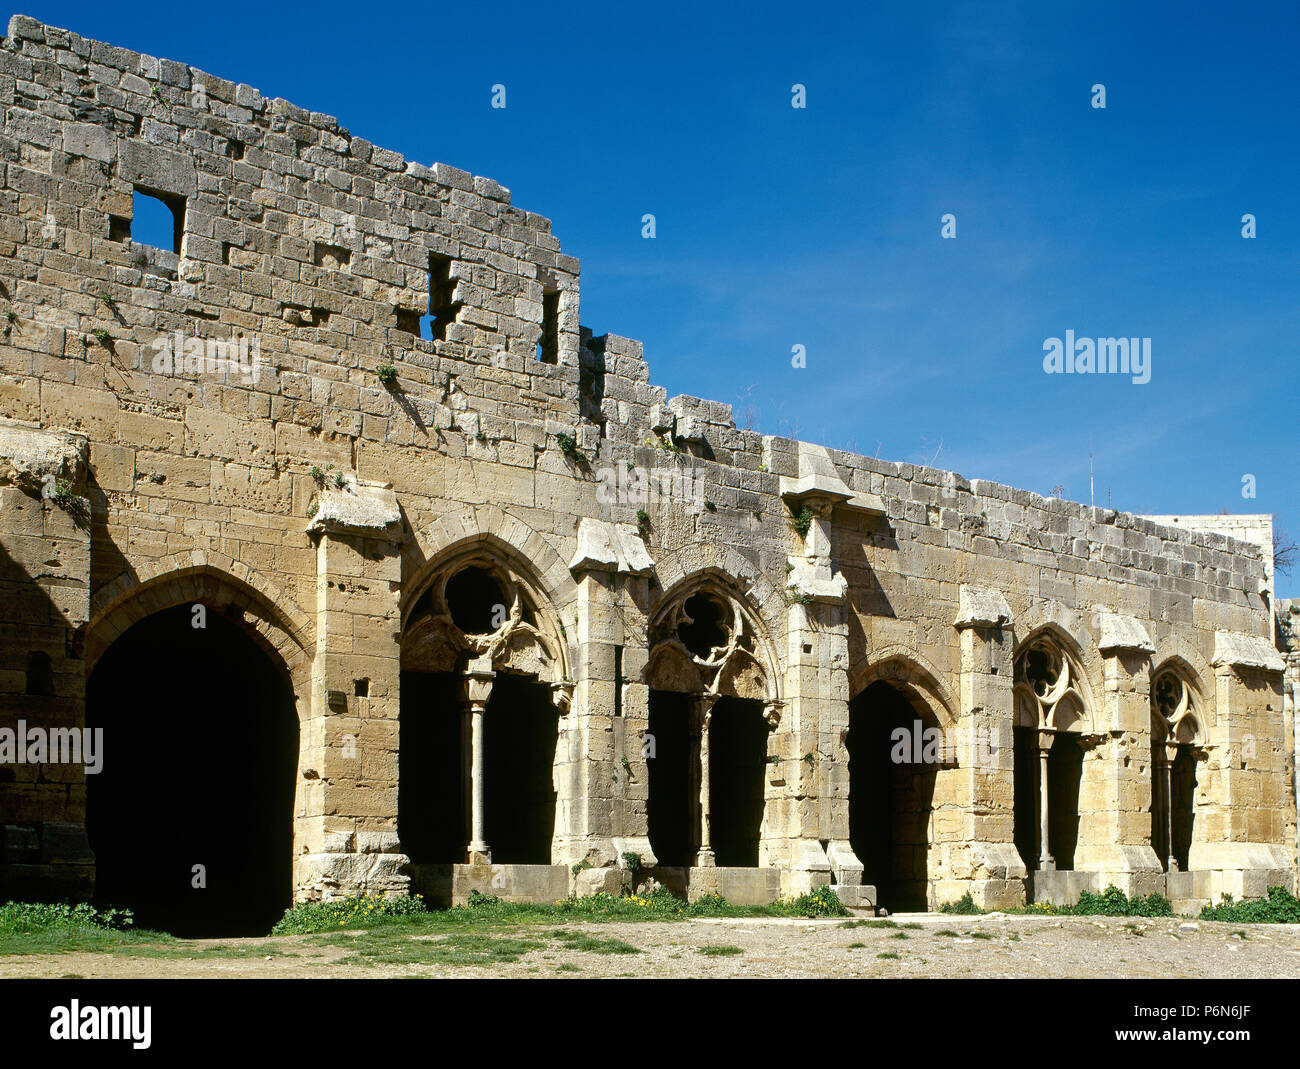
{"points": [[714, 701]]}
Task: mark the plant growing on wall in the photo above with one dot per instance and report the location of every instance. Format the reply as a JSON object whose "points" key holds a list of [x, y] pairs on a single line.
{"points": [[569, 447]]}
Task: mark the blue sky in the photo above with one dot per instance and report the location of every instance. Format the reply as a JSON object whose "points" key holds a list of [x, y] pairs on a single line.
{"points": [[820, 226]]}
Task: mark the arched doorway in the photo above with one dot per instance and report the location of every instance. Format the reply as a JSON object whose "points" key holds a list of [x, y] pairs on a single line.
{"points": [[896, 750], [1051, 723], [1175, 739], [711, 717], [483, 690], [191, 817]]}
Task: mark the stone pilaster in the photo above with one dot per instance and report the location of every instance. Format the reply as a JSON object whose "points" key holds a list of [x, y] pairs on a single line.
{"points": [[1115, 792], [606, 772], [990, 868], [1248, 835], [348, 809], [45, 543]]}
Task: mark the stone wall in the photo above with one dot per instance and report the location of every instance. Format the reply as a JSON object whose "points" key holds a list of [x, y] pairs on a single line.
{"points": [[322, 485]]}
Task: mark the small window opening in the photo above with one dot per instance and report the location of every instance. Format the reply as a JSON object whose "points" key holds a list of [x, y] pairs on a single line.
{"points": [[475, 601], [40, 674], [361, 688], [548, 348], [443, 307], [618, 681], [408, 321], [157, 219]]}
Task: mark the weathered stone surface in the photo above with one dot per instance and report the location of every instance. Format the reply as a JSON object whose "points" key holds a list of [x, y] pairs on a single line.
{"points": [[1121, 632], [32, 459], [1245, 651], [477, 573], [981, 608], [357, 509]]}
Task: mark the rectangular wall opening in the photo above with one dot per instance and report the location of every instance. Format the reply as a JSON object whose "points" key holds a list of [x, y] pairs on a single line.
{"points": [[548, 348], [157, 220], [443, 306]]}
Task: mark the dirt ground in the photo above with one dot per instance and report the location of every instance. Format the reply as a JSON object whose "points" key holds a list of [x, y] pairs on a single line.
{"points": [[924, 945]]}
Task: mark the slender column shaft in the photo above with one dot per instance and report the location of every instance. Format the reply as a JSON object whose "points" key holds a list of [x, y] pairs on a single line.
{"points": [[703, 714], [478, 688], [1170, 864], [1044, 857], [477, 845]]}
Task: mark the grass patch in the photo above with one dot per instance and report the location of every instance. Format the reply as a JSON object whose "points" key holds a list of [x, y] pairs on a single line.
{"points": [[362, 911], [719, 950], [888, 954], [1112, 902], [964, 907], [1280, 907], [60, 927], [25, 918], [581, 941]]}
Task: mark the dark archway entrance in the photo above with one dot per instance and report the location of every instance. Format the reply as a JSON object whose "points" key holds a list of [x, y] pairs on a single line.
{"points": [[1173, 791], [520, 732], [670, 809], [1182, 779], [200, 762], [737, 758], [891, 794], [431, 819], [1064, 775]]}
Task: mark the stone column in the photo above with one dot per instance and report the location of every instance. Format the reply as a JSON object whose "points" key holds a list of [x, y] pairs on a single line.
{"points": [[702, 714], [1169, 752], [1046, 863], [478, 688]]}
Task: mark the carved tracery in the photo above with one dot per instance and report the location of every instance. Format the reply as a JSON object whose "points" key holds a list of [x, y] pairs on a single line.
{"points": [[478, 609], [1047, 696], [1173, 711], [706, 643]]}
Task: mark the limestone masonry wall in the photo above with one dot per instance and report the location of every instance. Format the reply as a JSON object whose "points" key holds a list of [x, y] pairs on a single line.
{"points": [[323, 502]]}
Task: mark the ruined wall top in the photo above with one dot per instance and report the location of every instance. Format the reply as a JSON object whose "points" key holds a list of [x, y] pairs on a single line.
{"points": [[330, 250]]}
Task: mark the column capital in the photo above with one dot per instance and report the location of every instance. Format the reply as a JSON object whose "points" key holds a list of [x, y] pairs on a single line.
{"points": [[562, 695], [772, 712], [477, 689]]}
